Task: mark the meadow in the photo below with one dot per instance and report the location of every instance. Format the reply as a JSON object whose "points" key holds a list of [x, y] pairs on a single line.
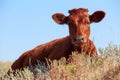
{"points": [[81, 67]]}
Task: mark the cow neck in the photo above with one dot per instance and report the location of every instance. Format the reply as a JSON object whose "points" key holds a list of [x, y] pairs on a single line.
{"points": [[81, 47], [70, 43]]}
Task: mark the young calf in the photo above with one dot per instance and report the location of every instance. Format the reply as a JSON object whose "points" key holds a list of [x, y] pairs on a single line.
{"points": [[78, 23]]}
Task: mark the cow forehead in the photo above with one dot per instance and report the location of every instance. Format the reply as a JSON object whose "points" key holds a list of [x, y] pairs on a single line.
{"points": [[78, 10], [81, 12]]}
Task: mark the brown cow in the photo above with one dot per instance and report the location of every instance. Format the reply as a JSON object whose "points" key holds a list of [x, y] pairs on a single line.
{"points": [[78, 22]]}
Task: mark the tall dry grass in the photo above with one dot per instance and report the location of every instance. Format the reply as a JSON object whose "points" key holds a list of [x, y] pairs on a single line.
{"points": [[80, 67]]}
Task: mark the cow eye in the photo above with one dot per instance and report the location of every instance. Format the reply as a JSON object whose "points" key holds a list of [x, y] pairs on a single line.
{"points": [[88, 23], [68, 20]]}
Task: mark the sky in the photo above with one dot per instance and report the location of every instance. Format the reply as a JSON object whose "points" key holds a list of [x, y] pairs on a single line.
{"points": [[25, 24]]}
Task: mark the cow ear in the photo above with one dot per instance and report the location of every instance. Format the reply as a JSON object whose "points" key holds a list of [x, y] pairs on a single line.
{"points": [[59, 18], [97, 16]]}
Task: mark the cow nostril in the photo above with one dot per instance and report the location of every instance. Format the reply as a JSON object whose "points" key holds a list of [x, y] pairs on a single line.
{"points": [[75, 39], [82, 38]]}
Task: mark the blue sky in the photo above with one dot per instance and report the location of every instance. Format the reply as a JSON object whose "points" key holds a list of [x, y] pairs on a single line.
{"points": [[25, 24]]}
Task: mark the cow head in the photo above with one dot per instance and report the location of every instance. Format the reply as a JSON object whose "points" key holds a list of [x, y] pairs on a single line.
{"points": [[79, 23]]}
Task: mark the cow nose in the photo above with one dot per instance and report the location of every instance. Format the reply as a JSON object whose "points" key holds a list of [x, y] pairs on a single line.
{"points": [[79, 39]]}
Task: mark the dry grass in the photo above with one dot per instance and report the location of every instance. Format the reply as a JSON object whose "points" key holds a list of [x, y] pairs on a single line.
{"points": [[81, 67]]}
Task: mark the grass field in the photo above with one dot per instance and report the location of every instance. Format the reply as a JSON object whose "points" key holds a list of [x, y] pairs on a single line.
{"points": [[81, 67]]}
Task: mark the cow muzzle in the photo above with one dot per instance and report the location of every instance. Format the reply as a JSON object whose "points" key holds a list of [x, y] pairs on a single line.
{"points": [[78, 39]]}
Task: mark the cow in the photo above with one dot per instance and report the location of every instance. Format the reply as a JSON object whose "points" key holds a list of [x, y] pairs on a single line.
{"points": [[78, 22]]}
